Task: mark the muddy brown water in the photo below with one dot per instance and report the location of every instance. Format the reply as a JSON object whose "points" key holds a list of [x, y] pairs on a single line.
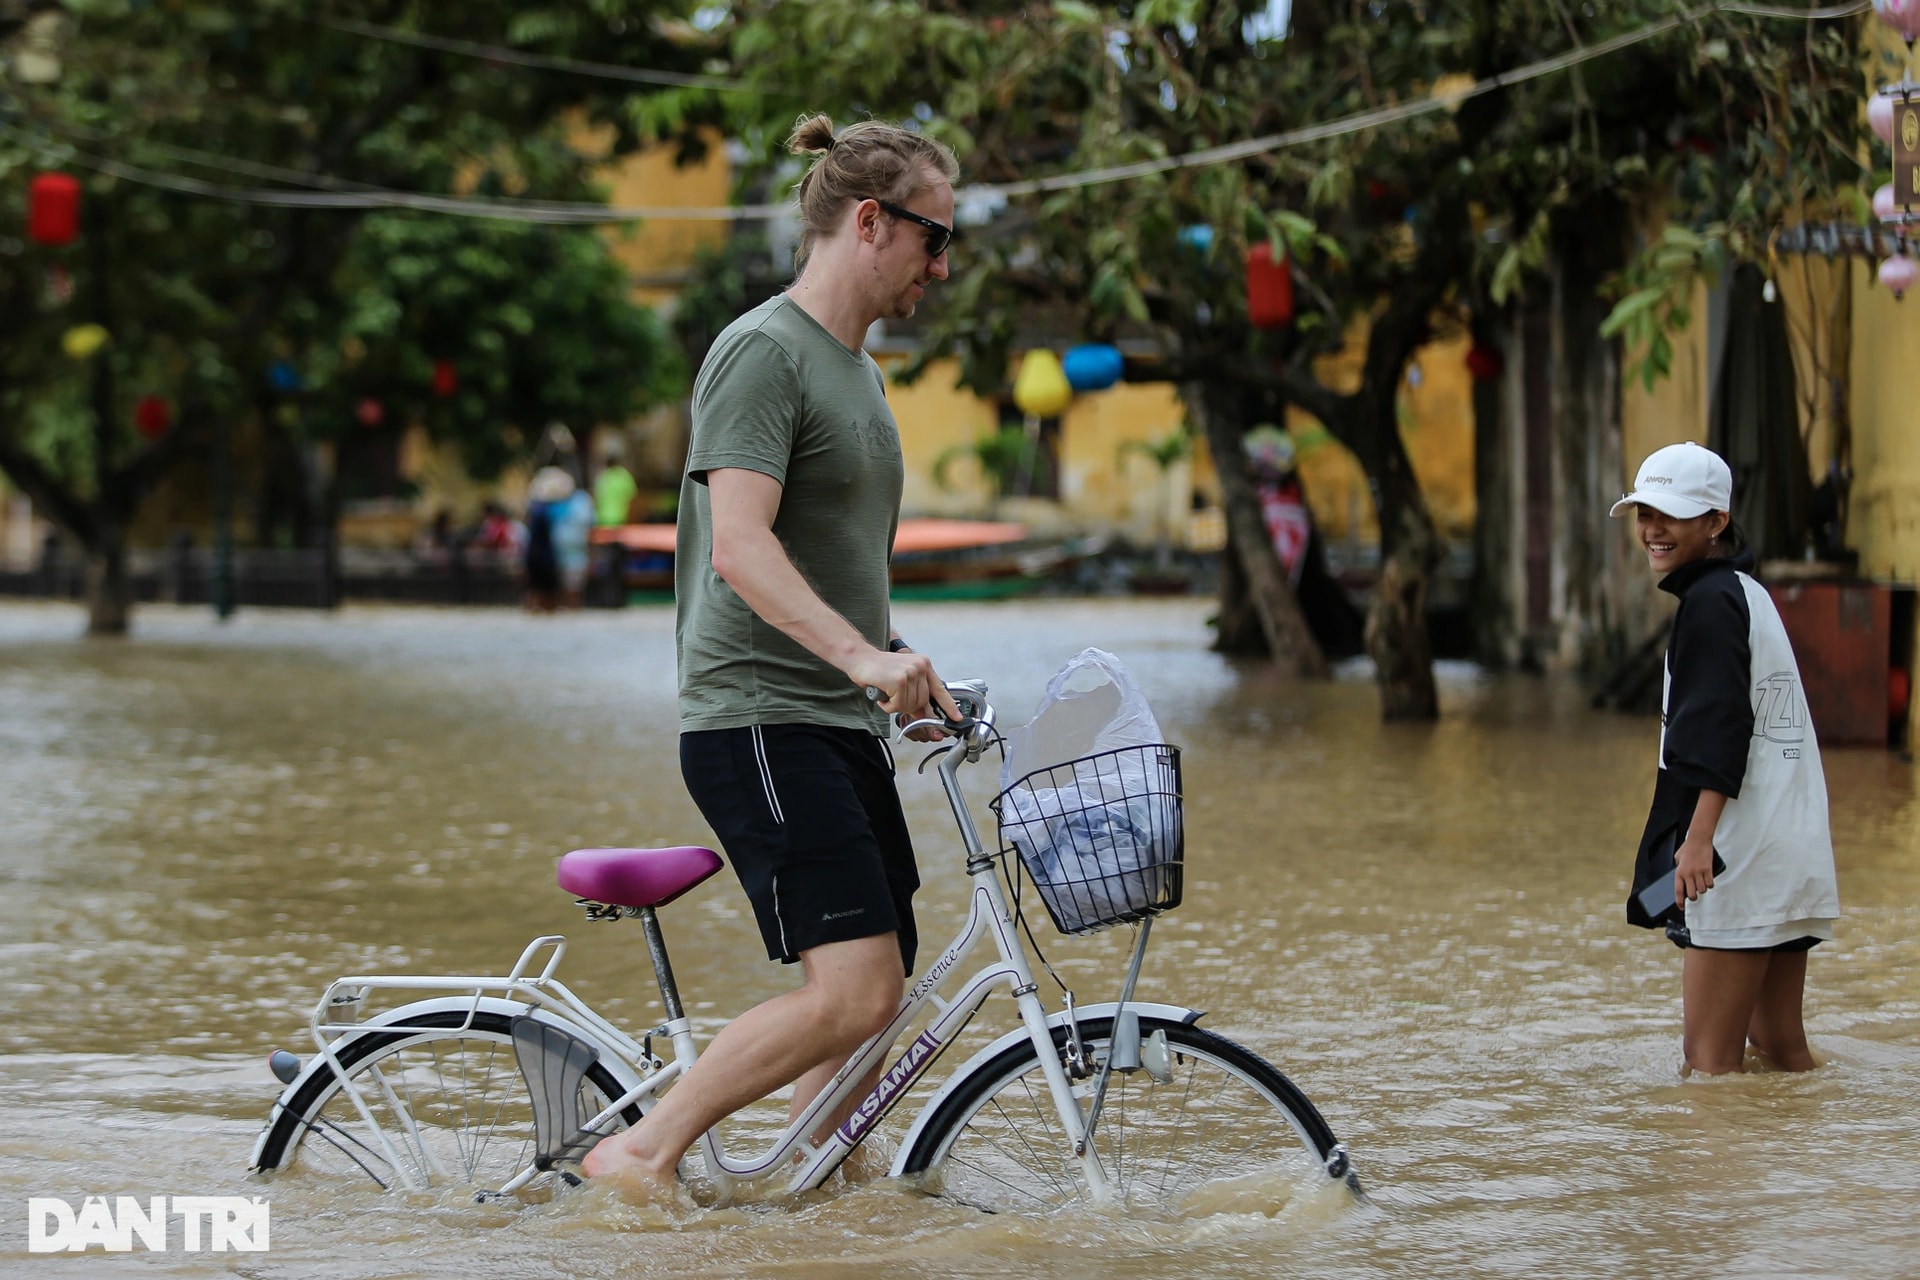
{"points": [[1420, 925]]}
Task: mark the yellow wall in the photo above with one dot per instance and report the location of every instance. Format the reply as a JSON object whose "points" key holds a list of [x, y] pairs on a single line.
{"points": [[1676, 408], [1883, 520], [1098, 488], [936, 415], [1102, 490], [1436, 424], [660, 253]]}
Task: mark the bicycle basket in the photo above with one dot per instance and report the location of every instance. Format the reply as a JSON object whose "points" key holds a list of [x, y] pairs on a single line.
{"points": [[1102, 836]]}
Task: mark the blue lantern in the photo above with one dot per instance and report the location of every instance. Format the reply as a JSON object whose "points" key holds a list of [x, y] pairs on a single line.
{"points": [[1198, 237], [283, 376], [1093, 367]]}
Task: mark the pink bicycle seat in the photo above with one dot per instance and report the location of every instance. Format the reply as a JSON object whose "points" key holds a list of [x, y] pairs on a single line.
{"points": [[635, 877]]}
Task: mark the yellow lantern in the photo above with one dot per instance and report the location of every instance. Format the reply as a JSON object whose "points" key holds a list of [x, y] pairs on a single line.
{"points": [[83, 340], [1041, 390]]}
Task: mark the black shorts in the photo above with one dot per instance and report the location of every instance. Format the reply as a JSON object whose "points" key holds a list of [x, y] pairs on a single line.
{"points": [[811, 821], [1680, 938]]}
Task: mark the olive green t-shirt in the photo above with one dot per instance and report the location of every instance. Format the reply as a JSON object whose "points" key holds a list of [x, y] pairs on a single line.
{"points": [[780, 395]]}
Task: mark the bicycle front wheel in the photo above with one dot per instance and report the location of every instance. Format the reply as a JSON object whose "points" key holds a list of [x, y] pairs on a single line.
{"points": [[445, 1092], [1214, 1129]]}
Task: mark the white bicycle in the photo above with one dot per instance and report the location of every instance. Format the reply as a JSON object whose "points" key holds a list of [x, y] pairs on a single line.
{"points": [[501, 1083]]}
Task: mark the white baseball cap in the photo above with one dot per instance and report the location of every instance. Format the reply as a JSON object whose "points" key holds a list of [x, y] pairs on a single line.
{"points": [[1681, 480]]}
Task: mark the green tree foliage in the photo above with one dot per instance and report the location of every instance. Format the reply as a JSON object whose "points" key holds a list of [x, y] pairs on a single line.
{"points": [[1443, 207], [536, 322], [164, 107]]}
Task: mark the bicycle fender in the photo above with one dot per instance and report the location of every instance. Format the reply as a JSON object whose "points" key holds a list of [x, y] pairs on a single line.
{"points": [[1083, 1013], [388, 1018]]}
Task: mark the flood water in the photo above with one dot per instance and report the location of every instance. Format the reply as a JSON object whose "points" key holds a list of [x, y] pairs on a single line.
{"points": [[1421, 925]]}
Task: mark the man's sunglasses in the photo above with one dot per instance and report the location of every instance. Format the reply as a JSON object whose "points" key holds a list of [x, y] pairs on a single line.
{"points": [[938, 236]]}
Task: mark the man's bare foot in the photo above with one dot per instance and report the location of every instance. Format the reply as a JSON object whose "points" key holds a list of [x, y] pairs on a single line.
{"points": [[614, 1160]]}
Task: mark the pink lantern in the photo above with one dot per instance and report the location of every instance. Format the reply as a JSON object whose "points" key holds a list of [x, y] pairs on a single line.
{"points": [[1880, 116], [1899, 273], [370, 412], [1885, 207], [1902, 15]]}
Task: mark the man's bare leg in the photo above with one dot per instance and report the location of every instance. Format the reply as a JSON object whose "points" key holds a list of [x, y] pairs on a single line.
{"points": [[814, 1082], [851, 990]]}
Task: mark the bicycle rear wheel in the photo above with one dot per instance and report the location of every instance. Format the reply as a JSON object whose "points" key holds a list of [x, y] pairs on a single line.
{"points": [[446, 1092], [1224, 1132]]}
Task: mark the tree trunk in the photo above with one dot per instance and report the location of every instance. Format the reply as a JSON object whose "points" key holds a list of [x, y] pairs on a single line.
{"points": [[1237, 629], [1222, 414], [1497, 449], [1396, 634], [109, 590]]}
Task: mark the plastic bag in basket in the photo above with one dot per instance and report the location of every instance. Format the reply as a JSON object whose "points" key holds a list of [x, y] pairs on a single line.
{"points": [[1094, 860], [1091, 705]]}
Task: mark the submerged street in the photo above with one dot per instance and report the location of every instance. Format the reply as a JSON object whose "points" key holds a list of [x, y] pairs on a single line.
{"points": [[1421, 925]]}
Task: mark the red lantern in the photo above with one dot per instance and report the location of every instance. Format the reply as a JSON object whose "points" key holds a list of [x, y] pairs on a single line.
{"points": [[1484, 362], [152, 415], [446, 379], [370, 412], [1269, 288], [53, 209]]}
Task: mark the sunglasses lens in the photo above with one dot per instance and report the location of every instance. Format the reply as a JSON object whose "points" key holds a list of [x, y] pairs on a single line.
{"points": [[937, 242]]}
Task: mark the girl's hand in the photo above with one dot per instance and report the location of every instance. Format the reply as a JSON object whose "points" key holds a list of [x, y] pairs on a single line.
{"points": [[1693, 870]]}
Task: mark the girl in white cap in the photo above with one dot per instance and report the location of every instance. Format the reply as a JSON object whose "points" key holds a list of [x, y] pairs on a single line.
{"points": [[1736, 860]]}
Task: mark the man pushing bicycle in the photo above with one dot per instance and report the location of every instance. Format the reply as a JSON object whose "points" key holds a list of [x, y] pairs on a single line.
{"points": [[787, 513]]}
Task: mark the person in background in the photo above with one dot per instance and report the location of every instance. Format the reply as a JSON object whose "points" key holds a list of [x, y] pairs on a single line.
{"points": [[1739, 815], [614, 490], [547, 496], [434, 544], [499, 536], [572, 544]]}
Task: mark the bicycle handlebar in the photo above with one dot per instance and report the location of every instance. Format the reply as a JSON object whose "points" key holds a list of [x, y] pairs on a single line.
{"points": [[975, 725]]}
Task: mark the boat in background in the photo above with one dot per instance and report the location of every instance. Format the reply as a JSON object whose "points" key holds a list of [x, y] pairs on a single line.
{"points": [[933, 559]]}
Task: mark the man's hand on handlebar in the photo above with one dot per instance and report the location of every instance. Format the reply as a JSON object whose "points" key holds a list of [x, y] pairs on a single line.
{"points": [[909, 688]]}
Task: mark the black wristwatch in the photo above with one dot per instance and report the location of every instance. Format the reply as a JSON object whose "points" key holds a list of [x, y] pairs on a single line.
{"points": [[897, 645]]}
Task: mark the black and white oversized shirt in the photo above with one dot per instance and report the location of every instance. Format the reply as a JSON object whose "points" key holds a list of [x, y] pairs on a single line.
{"points": [[1734, 720]]}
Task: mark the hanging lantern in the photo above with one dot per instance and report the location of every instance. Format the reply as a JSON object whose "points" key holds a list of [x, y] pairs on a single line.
{"points": [[1886, 206], [83, 340], [283, 376], [1902, 15], [370, 412], [53, 209], [1041, 390], [1269, 288], [152, 415], [1484, 362], [1899, 273], [1880, 115], [1094, 366], [446, 379], [1198, 237]]}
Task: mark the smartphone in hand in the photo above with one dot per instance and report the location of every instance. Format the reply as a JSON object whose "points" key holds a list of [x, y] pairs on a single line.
{"points": [[1657, 898]]}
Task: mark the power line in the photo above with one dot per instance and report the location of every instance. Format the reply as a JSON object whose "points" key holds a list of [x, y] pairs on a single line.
{"points": [[360, 197], [543, 61], [342, 194]]}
